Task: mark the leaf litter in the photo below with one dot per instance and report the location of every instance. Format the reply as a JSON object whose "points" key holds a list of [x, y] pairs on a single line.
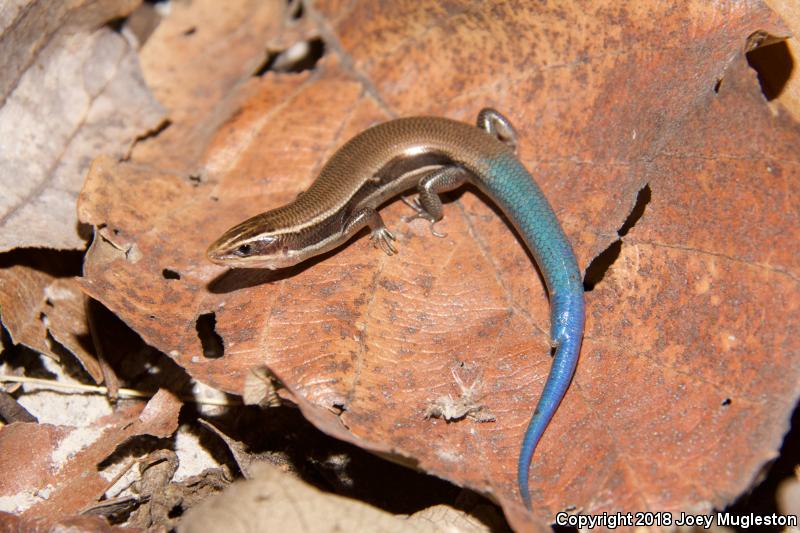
{"points": [[685, 383]]}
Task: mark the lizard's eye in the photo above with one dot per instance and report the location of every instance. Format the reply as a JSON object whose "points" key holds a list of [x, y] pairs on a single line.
{"points": [[243, 250]]}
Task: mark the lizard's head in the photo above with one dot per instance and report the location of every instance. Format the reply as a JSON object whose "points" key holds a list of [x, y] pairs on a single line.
{"points": [[250, 245]]}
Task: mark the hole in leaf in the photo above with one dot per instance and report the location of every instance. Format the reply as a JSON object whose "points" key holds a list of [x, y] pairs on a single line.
{"points": [[206, 325], [170, 274], [597, 269], [338, 407], [643, 198], [726, 402], [155, 132], [299, 57], [772, 60], [266, 66], [295, 9], [599, 266], [176, 511]]}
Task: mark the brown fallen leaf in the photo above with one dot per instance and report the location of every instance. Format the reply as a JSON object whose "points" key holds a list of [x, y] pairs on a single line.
{"points": [[21, 297], [275, 500], [43, 306], [246, 460], [685, 382], [71, 89], [31, 25], [161, 509], [51, 471], [12, 411], [65, 314], [85, 524]]}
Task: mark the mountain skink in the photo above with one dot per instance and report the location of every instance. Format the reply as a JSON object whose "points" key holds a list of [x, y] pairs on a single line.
{"points": [[433, 155]]}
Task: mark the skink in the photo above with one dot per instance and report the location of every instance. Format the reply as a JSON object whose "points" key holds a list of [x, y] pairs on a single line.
{"points": [[433, 155]]}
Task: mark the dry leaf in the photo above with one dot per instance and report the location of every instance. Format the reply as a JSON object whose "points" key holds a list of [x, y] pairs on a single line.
{"points": [[31, 25], [275, 500], [12, 411], [685, 381], [50, 472], [65, 312], [69, 92], [84, 524], [246, 459], [156, 497], [44, 309], [21, 300]]}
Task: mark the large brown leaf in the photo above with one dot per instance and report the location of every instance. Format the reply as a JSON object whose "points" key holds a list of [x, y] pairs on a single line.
{"points": [[686, 378]]}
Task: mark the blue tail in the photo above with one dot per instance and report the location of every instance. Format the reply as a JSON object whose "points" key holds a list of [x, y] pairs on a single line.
{"points": [[567, 315], [513, 189]]}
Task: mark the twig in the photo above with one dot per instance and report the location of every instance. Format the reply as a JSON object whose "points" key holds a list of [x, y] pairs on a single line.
{"points": [[123, 393]]}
